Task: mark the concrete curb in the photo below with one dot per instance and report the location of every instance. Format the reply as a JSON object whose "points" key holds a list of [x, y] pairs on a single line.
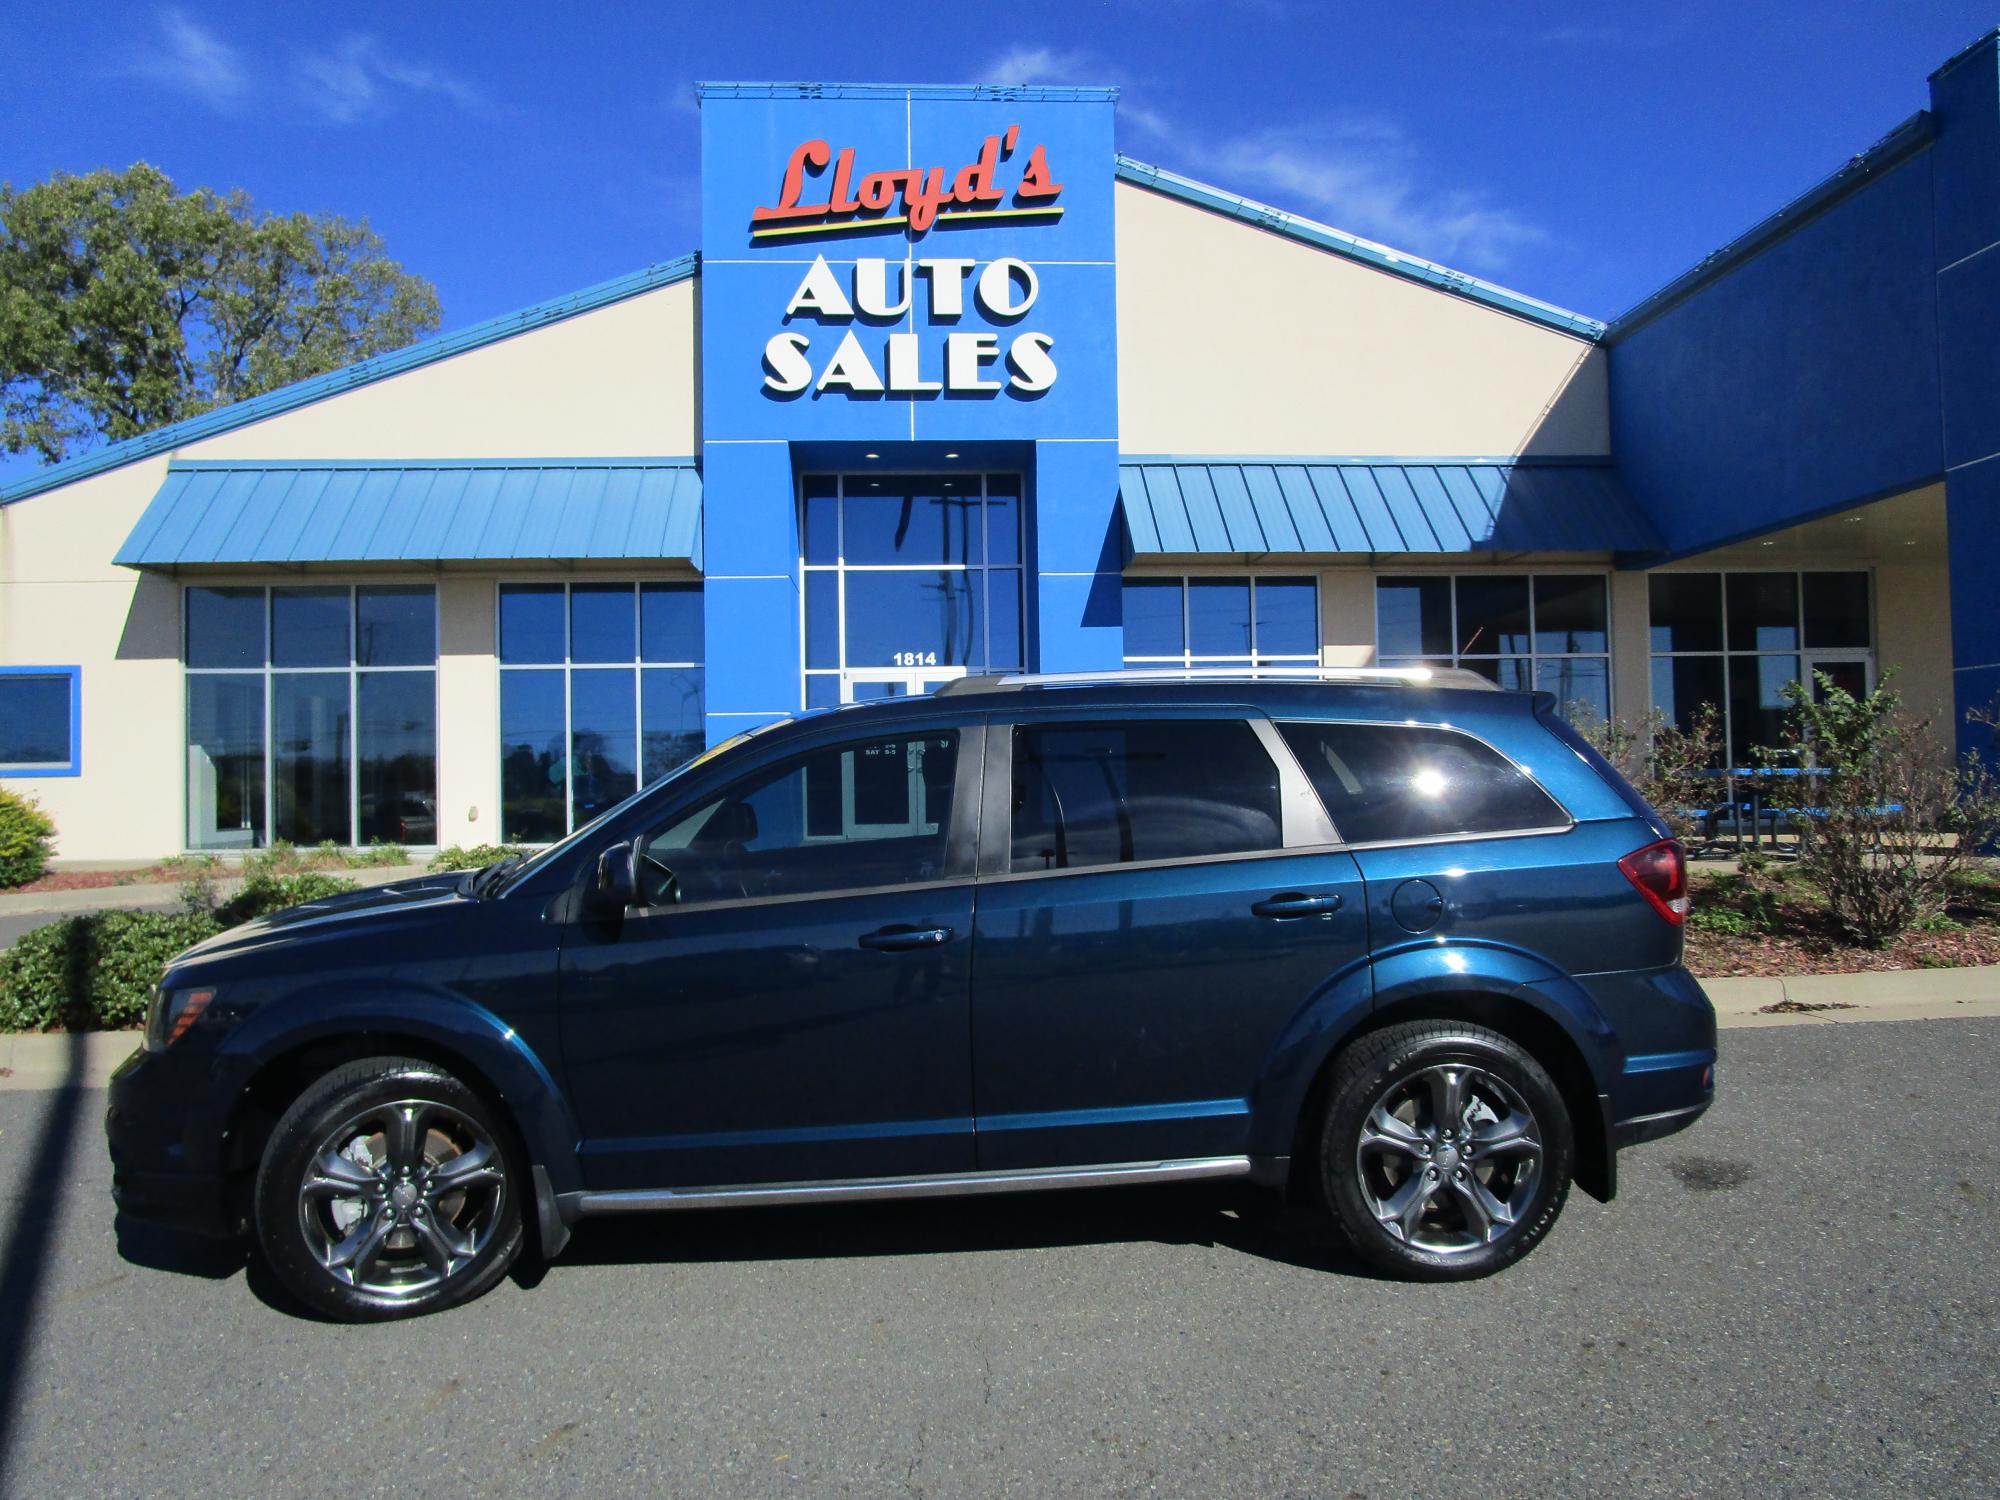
{"points": [[44, 1060], [53, 1060], [157, 897], [1882, 995]]}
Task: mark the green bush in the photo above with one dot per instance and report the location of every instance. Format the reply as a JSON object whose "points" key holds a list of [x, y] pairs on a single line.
{"points": [[478, 857], [93, 972], [97, 971], [263, 894], [27, 835]]}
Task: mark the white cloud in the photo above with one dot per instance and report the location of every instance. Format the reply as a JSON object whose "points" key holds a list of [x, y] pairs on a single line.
{"points": [[1023, 64], [360, 78], [191, 59], [1362, 176]]}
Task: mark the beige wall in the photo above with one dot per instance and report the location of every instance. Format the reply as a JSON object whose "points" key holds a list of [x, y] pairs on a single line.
{"points": [[1233, 339], [618, 382]]}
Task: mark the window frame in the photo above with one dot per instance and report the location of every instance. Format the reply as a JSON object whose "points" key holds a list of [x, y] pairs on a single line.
{"points": [[74, 765], [961, 832], [1533, 657], [568, 666], [1303, 821], [979, 575], [353, 671], [1260, 663], [1802, 653], [1341, 842]]}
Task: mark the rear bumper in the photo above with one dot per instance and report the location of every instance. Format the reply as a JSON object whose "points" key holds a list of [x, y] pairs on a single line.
{"points": [[1635, 1132]]}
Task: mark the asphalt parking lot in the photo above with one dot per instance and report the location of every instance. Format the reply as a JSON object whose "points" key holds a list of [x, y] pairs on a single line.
{"points": [[1801, 1296]]}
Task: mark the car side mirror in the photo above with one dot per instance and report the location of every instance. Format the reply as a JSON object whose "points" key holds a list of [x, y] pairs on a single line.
{"points": [[617, 881]]}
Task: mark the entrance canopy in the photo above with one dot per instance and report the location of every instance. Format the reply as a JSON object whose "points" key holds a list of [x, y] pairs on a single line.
{"points": [[1277, 505], [317, 512]]}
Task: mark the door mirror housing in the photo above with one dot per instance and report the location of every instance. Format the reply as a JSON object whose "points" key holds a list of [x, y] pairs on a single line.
{"points": [[617, 884]]}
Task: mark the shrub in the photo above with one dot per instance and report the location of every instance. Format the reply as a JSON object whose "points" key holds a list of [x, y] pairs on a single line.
{"points": [[27, 837], [1667, 765], [92, 972], [1897, 819], [379, 854], [263, 894], [478, 857]]}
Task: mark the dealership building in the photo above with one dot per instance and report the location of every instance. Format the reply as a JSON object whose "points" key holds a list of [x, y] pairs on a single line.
{"points": [[953, 387]]}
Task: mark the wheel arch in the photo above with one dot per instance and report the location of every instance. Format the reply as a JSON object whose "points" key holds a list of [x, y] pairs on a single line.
{"points": [[1548, 1016], [452, 1035]]}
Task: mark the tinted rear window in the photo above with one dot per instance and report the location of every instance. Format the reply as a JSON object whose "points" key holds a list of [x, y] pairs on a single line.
{"points": [[1407, 781], [1111, 794]]}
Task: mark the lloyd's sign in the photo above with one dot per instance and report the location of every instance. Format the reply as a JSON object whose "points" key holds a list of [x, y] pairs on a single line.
{"points": [[1000, 184]]}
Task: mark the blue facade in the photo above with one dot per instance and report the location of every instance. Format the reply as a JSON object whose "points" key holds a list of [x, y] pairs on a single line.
{"points": [[1846, 350], [846, 329]]}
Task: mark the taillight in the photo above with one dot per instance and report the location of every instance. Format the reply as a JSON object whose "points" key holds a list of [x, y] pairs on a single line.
{"points": [[1660, 872]]}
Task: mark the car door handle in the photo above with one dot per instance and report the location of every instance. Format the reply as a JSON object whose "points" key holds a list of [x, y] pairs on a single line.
{"points": [[902, 939], [1293, 904]]}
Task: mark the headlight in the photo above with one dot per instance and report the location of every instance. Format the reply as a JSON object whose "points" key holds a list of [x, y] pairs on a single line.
{"points": [[171, 1014]]}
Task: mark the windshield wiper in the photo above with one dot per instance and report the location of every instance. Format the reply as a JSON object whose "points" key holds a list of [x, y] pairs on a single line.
{"points": [[487, 878]]}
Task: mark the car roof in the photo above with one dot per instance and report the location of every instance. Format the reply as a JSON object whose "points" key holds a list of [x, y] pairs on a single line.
{"points": [[1457, 696]]}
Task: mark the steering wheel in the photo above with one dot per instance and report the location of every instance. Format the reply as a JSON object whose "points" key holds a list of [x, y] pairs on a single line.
{"points": [[670, 883]]}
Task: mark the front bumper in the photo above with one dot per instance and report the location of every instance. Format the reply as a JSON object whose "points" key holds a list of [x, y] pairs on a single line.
{"points": [[154, 1177]]}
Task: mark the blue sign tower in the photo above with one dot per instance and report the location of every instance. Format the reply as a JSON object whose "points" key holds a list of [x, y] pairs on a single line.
{"points": [[916, 283]]}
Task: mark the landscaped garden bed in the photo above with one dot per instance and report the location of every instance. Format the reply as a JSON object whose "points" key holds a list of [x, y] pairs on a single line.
{"points": [[1769, 918]]}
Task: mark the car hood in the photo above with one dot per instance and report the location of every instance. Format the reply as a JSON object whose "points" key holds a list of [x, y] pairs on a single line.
{"points": [[338, 915]]}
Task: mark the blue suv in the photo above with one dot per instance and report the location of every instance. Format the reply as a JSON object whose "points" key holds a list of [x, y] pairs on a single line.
{"points": [[1399, 943]]}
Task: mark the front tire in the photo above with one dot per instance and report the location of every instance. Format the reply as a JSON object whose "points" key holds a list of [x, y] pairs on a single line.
{"points": [[388, 1189], [1445, 1151]]}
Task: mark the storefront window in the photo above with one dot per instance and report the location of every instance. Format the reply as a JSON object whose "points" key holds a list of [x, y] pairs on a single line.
{"points": [[600, 692], [1736, 640], [311, 715], [910, 580], [1548, 632], [1250, 622]]}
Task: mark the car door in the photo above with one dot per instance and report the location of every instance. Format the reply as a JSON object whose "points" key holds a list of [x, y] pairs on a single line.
{"points": [[1157, 902], [789, 999]]}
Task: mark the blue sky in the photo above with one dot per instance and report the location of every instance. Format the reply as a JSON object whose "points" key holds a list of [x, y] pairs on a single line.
{"points": [[1583, 154]]}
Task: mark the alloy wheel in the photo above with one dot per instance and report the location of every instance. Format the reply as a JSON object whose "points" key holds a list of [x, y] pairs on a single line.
{"points": [[1449, 1158], [401, 1197]]}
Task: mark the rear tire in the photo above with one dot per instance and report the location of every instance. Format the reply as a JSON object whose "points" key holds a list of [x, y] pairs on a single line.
{"points": [[389, 1189], [1444, 1152]]}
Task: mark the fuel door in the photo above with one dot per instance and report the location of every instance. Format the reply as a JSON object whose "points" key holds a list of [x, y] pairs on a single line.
{"points": [[1417, 906]]}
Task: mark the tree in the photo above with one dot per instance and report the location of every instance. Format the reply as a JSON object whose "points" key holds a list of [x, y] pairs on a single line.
{"points": [[125, 305]]}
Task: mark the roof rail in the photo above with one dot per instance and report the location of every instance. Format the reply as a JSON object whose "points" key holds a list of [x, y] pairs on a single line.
{"points": [[1453, 677]]}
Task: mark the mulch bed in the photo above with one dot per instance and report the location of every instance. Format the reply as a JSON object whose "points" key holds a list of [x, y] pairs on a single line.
{"points": [[93, 880], [1801, 939]]}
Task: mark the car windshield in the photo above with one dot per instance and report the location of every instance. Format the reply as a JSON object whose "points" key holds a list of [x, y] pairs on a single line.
{"points": [[543, 858]]}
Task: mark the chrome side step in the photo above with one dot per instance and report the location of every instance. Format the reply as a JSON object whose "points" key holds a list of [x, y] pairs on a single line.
{"points": [[937, 1185]]}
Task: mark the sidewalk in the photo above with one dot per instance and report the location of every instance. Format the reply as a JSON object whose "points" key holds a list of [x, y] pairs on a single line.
{"points": [[153, 897], [37, 1060]]}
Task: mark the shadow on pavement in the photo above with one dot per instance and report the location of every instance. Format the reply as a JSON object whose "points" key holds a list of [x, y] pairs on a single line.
{"points": [[159, 1249], [1245, 1221], [31, 1229]]}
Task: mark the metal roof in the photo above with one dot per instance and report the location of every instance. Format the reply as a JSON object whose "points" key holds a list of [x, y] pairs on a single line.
{"points": [[273, 513], [349, 377], [1284, 505], [1353, 247]]}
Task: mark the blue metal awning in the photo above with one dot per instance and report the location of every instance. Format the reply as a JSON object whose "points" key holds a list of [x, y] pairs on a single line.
{"points": [[523, 509], [1196, 505]]}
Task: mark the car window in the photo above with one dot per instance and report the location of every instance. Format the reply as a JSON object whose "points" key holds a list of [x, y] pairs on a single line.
{"points": [[1408, 781], [869, 813], [1112, 794]]}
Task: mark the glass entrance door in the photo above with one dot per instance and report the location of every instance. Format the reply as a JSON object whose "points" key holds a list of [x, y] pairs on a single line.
{"points": [[863, 684], [910, 580]]}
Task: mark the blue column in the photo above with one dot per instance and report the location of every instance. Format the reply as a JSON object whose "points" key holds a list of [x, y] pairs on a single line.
{"points": [[1965, 101], [1079, 552], [751, 600]]}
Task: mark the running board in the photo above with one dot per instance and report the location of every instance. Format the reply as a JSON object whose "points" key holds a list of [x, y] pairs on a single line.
{"points": [[938, 1185]]}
